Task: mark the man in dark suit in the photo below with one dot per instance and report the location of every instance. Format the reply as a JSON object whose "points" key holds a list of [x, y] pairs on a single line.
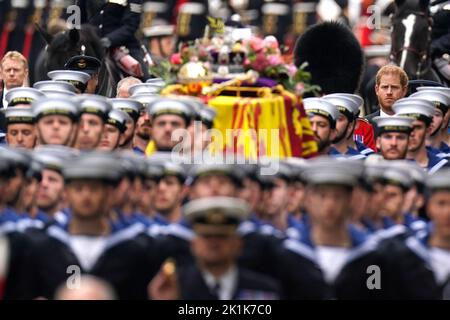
{"points": [[216, 247], [391, 85], [14, 73]]}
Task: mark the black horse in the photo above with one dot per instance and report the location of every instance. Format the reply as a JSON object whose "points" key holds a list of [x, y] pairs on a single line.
{"points": [[69, 43], [411, 39], [410, 45]]}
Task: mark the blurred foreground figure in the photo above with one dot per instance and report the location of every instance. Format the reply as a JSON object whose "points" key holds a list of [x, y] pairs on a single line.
{"points": [[88, 288]]}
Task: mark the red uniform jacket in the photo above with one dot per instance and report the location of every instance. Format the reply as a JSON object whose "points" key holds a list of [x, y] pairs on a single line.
{"points": [[364, 133]]}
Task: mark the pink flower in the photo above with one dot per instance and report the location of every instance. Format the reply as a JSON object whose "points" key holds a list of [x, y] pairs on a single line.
{"points": [[247, 62], [291, 69], [300, 88], [274, 60], [270, 42], [175, 58], [260, 63], [256, 44]]}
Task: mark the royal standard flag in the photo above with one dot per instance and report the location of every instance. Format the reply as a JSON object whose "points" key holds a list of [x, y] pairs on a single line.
{"points": [[274, 125], [256, 122]]}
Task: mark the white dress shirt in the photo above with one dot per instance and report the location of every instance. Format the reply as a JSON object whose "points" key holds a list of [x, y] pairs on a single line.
{"points": [[227, 283], [5, 103]]}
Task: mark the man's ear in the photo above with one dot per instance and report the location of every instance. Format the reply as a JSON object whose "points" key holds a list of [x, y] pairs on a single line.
{"points": [[378, 143], [404, 91]]}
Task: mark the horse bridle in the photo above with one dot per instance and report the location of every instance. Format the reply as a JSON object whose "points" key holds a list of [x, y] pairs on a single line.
{"points": [[422, 54]]}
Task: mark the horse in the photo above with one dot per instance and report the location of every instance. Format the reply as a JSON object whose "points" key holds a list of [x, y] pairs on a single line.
{"points": [[69, 43], [411, 26], [411, 39]]}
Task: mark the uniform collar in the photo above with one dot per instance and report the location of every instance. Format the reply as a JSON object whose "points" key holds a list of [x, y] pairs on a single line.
{"points": [[434, 162]]}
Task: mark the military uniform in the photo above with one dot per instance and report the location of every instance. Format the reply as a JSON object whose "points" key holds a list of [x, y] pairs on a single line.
{"points": [[117, 22], [439, 257], [121, 256], [340, 272], [217, 216], [422, 110]]}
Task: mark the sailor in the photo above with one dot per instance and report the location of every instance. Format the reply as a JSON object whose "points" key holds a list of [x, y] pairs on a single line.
{"points": [[329, 244], [89, 242], [56, 120], [133, 108], [323, 116], [436, 239], [421, 112], [20, 127], [439, 136], [114, 129], [167, 115], [344, 143], [393, 136], [94, 111]]}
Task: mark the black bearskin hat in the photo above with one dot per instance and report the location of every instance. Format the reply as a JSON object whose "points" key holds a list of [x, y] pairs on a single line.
{"points": [[335, 58]]}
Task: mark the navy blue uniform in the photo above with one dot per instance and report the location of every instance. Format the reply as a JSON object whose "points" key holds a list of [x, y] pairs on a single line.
{"points": [[127, 261], [117, 21], [250, 285], [404, 273]]}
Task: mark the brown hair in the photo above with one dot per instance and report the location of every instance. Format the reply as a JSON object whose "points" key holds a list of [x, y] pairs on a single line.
{"points": [[392, 69], [14, 55]]}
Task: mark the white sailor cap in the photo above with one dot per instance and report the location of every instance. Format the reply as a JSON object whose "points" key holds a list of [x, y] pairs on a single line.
{"points": [[393, 124], [156, 82], [22, 95], [439, 180], [53, 157], [143, 88], [95, 165], [54, 86], [207, 116], [153, 171], [357, 99], [146, 98], [130, 106], [60, 94], [216, 212], [17, 158], [234, 172], [322, 107], [416, 172], [415, 108], [78, 78], [396, 175], [326, 170], [18, 115], [55, 106], [118, 118], [170, 106], [94, 104], [440, 100], [67, 153], [443, 90], [345, 105]]}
